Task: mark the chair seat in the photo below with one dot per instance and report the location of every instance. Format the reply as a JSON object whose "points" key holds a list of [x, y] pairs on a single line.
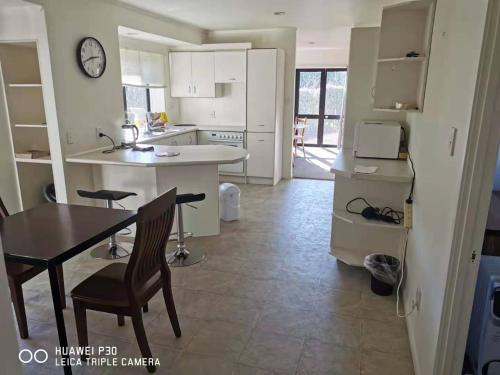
{"points": [[107, 286], [21, 272], [113, 195], [189, 198]]}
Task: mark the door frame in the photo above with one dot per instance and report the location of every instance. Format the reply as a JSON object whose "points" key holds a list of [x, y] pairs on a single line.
{"points": [[322, 97], [474, 199]]}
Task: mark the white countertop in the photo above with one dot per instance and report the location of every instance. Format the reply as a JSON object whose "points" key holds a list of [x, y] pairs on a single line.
{"points": [[189, 155], [387, 170]]}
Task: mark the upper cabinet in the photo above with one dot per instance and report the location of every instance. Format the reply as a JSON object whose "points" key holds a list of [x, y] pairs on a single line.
{"points": [[192, 74], [230, 66], [261, 90], [403, 53]]}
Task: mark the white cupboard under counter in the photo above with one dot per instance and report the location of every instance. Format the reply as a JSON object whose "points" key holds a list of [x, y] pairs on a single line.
{"points": [[194, 170]]}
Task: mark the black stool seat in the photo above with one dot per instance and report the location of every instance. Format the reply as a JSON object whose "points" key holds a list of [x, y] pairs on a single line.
{"points": [[109, 195], [188, 198]]}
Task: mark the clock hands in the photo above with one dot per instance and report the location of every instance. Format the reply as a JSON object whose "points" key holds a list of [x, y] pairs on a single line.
{"points": [[90, 58]]}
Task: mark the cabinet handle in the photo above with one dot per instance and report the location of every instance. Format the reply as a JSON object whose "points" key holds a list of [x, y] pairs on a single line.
{"points": [[194, 88], [232, 79], [261, 125], [260, 140], [189, 89]]}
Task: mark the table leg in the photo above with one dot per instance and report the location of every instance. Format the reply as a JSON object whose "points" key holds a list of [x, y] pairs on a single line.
{"points": [[58, 311]]}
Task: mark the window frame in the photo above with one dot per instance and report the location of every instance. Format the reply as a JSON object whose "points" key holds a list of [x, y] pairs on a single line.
{"points": [[148, 98], [321, 116]]}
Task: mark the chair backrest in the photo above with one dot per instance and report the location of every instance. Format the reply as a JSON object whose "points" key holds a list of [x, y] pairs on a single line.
{"points": [[301, 121], [3, 210], [154, 223]]}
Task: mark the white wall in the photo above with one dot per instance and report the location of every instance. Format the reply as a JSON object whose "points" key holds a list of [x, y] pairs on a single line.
{"points": [[496, 183], [285, 39], [83, 104], [322, 58], [360, 81], [456, 44]]}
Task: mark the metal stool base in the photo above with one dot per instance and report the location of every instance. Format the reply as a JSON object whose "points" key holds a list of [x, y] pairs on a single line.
{"points": [[104, 252], [181, 259]]}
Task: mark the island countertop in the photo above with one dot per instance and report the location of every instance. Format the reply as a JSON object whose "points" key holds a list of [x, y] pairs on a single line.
{"points": [[189, 155]]}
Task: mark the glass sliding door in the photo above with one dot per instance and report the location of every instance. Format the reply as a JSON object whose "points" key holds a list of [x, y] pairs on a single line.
{"points": [[319, 97]]}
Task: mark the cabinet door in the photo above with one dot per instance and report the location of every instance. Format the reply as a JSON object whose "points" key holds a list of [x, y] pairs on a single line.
{"points": [[230, 66], [203, 79], [180, 74], [261, 90], [260, 146]]}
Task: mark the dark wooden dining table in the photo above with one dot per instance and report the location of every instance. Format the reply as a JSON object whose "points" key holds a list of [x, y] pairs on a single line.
{"points": [[50, 234]]}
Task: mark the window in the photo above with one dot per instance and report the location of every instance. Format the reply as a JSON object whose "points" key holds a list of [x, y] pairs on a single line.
{"points": [[319, 97]]}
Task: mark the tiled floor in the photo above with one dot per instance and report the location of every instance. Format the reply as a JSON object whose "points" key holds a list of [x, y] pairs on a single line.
{"points": [[269, 300], [314, 163]]}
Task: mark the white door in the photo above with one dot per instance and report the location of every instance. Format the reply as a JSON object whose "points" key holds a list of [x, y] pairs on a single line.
{"points": [[230, 66], [260, 146], [203, 74], [261, 90], [180, 74]]}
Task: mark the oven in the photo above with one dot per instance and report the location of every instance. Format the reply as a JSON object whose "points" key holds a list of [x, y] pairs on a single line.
{"points": [[234, 139]]}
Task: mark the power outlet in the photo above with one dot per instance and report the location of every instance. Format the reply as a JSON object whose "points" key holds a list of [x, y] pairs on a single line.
{"points": [[69, 138], [418, 299], [97, 132]]}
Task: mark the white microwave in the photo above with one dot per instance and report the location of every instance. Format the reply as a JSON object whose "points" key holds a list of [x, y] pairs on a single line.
{"points": [[377, 139]]}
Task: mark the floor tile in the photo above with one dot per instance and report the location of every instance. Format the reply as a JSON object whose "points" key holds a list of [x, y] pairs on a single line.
{"points": [[376, 363], [320, 358], [384, 337], [272, 351]]}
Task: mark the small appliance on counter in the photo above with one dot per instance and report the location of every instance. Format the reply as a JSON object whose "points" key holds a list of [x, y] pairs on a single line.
{"points": [[377, 139], [131, 142]]}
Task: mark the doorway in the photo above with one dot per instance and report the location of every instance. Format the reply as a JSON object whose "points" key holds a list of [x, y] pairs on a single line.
{"points": [[319, 104]]}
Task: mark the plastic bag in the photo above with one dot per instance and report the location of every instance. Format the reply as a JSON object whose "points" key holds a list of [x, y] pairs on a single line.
{"points": [[384, 268]]}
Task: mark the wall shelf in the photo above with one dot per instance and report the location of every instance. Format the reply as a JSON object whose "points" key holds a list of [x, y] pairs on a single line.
{"points": [[44, 126], [360, 220], [403, 59], [25, 85], [395, 110], [42, 160]]}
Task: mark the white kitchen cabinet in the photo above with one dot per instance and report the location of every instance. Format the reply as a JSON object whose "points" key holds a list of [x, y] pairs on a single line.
{"points": [[230, 66], [192, 74], [203, 74], [176, 140], [180, 74], [260, 146], [261, 90]]}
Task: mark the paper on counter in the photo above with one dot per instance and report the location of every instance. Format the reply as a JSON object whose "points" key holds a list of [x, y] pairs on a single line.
{"points": [[364, 169]]}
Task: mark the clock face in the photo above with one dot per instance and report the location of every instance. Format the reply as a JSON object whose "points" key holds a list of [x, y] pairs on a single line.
{"points": [[91, 57]]}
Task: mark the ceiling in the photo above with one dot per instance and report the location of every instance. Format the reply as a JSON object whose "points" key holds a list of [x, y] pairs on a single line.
{"points": [[326, 23]]}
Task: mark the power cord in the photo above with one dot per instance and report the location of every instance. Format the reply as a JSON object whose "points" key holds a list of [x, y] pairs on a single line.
{"points": [[113, 142], [414, 304], [386, 214]]}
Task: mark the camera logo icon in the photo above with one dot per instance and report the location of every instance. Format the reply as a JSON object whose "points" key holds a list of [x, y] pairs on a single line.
{"points": [[28, 356]]}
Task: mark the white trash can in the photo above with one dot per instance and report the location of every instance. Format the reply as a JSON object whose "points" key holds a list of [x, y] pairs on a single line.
{"points": [[229, 202]]}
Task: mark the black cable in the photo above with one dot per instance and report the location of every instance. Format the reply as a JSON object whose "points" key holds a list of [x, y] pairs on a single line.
{"points": [[386, 214], [113, 142], [405, 140]]}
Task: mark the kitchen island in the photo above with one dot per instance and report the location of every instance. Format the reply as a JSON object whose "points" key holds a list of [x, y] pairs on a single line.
{"points": [[148, 174]]}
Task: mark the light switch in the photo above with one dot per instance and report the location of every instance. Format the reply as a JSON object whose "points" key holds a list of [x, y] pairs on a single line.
{"points": [[452, 138], [69, 138]]}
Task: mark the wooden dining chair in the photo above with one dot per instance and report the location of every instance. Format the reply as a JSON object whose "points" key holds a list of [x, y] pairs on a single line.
{"points": [[123, 289], [298, 134], [17, 275]]}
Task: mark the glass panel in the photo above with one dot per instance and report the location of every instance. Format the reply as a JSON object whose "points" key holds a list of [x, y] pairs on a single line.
{"points": [[309, 90], [157, 99], [311, 132], [335, 90], [136, 97], [331, 132]]}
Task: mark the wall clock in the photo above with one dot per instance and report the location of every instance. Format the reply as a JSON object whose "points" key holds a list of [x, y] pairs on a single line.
{"points": [[91, 57]]}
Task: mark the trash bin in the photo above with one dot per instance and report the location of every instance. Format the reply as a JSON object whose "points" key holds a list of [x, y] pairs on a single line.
{"points": [[229, 202], [49, 193], [385, 271]]}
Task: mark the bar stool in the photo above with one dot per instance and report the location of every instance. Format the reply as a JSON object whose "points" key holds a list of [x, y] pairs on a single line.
{"points": [[183, 257], [112, 250]]}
